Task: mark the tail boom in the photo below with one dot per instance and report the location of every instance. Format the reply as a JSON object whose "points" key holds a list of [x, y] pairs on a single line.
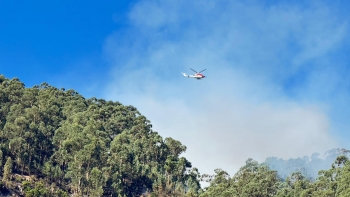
{"points": [[185, 75]]}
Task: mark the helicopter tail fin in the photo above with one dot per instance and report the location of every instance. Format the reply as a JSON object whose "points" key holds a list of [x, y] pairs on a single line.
{"points": [[184, 74]]}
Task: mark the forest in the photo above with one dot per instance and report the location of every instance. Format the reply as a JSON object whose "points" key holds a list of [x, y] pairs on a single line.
{"points": [[55, 142]]}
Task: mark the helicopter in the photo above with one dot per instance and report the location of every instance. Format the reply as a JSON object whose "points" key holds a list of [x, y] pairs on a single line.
{"points": [[197, 75]]}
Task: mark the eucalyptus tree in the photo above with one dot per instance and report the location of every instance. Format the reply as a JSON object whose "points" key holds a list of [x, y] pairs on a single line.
{"points": [[7, 170], [343, 188]]}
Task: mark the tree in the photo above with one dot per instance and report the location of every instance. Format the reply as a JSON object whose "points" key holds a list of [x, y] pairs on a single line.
{"points": [[343, 188], [7, 171], [1, 159], [96, 182], [253, 179]]}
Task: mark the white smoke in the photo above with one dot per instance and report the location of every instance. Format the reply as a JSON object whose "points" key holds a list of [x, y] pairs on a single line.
{"points": [[243, 108]]}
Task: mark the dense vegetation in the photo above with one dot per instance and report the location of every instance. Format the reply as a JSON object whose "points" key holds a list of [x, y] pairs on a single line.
{"points": [[257, 180], [55, 142], [59, 143], [307, 166]]}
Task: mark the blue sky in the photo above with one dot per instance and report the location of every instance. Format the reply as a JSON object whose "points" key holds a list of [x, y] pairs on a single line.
{"points": [[278, 71], [59, 42]]}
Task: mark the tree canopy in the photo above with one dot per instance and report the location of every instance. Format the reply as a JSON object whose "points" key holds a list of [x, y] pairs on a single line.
{"points": [[55, 142], [86, 146]]}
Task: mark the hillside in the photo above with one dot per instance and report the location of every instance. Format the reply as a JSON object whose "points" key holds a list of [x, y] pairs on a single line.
{"points": [[57, 143], [54, 142]]}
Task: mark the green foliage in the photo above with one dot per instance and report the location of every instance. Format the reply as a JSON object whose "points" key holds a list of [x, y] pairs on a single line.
{"points": [[1, 160], [7, 170], [39, 189], [85, 146], [253, 179], [62, 144], [308, 166]]}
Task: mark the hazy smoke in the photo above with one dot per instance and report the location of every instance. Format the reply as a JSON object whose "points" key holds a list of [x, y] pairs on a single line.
{"points": [[308, 166], [261, 97]]}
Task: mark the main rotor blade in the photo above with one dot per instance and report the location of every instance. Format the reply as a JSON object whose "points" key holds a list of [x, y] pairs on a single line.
{"points": [[202, 70], [194, 70]]}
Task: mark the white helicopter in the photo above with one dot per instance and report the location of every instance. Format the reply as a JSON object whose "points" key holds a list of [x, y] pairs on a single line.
{"points": [[197, 75]]}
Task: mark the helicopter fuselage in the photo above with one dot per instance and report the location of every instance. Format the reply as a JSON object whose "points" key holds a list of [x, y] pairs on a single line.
{"points": [[197, 75]]}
